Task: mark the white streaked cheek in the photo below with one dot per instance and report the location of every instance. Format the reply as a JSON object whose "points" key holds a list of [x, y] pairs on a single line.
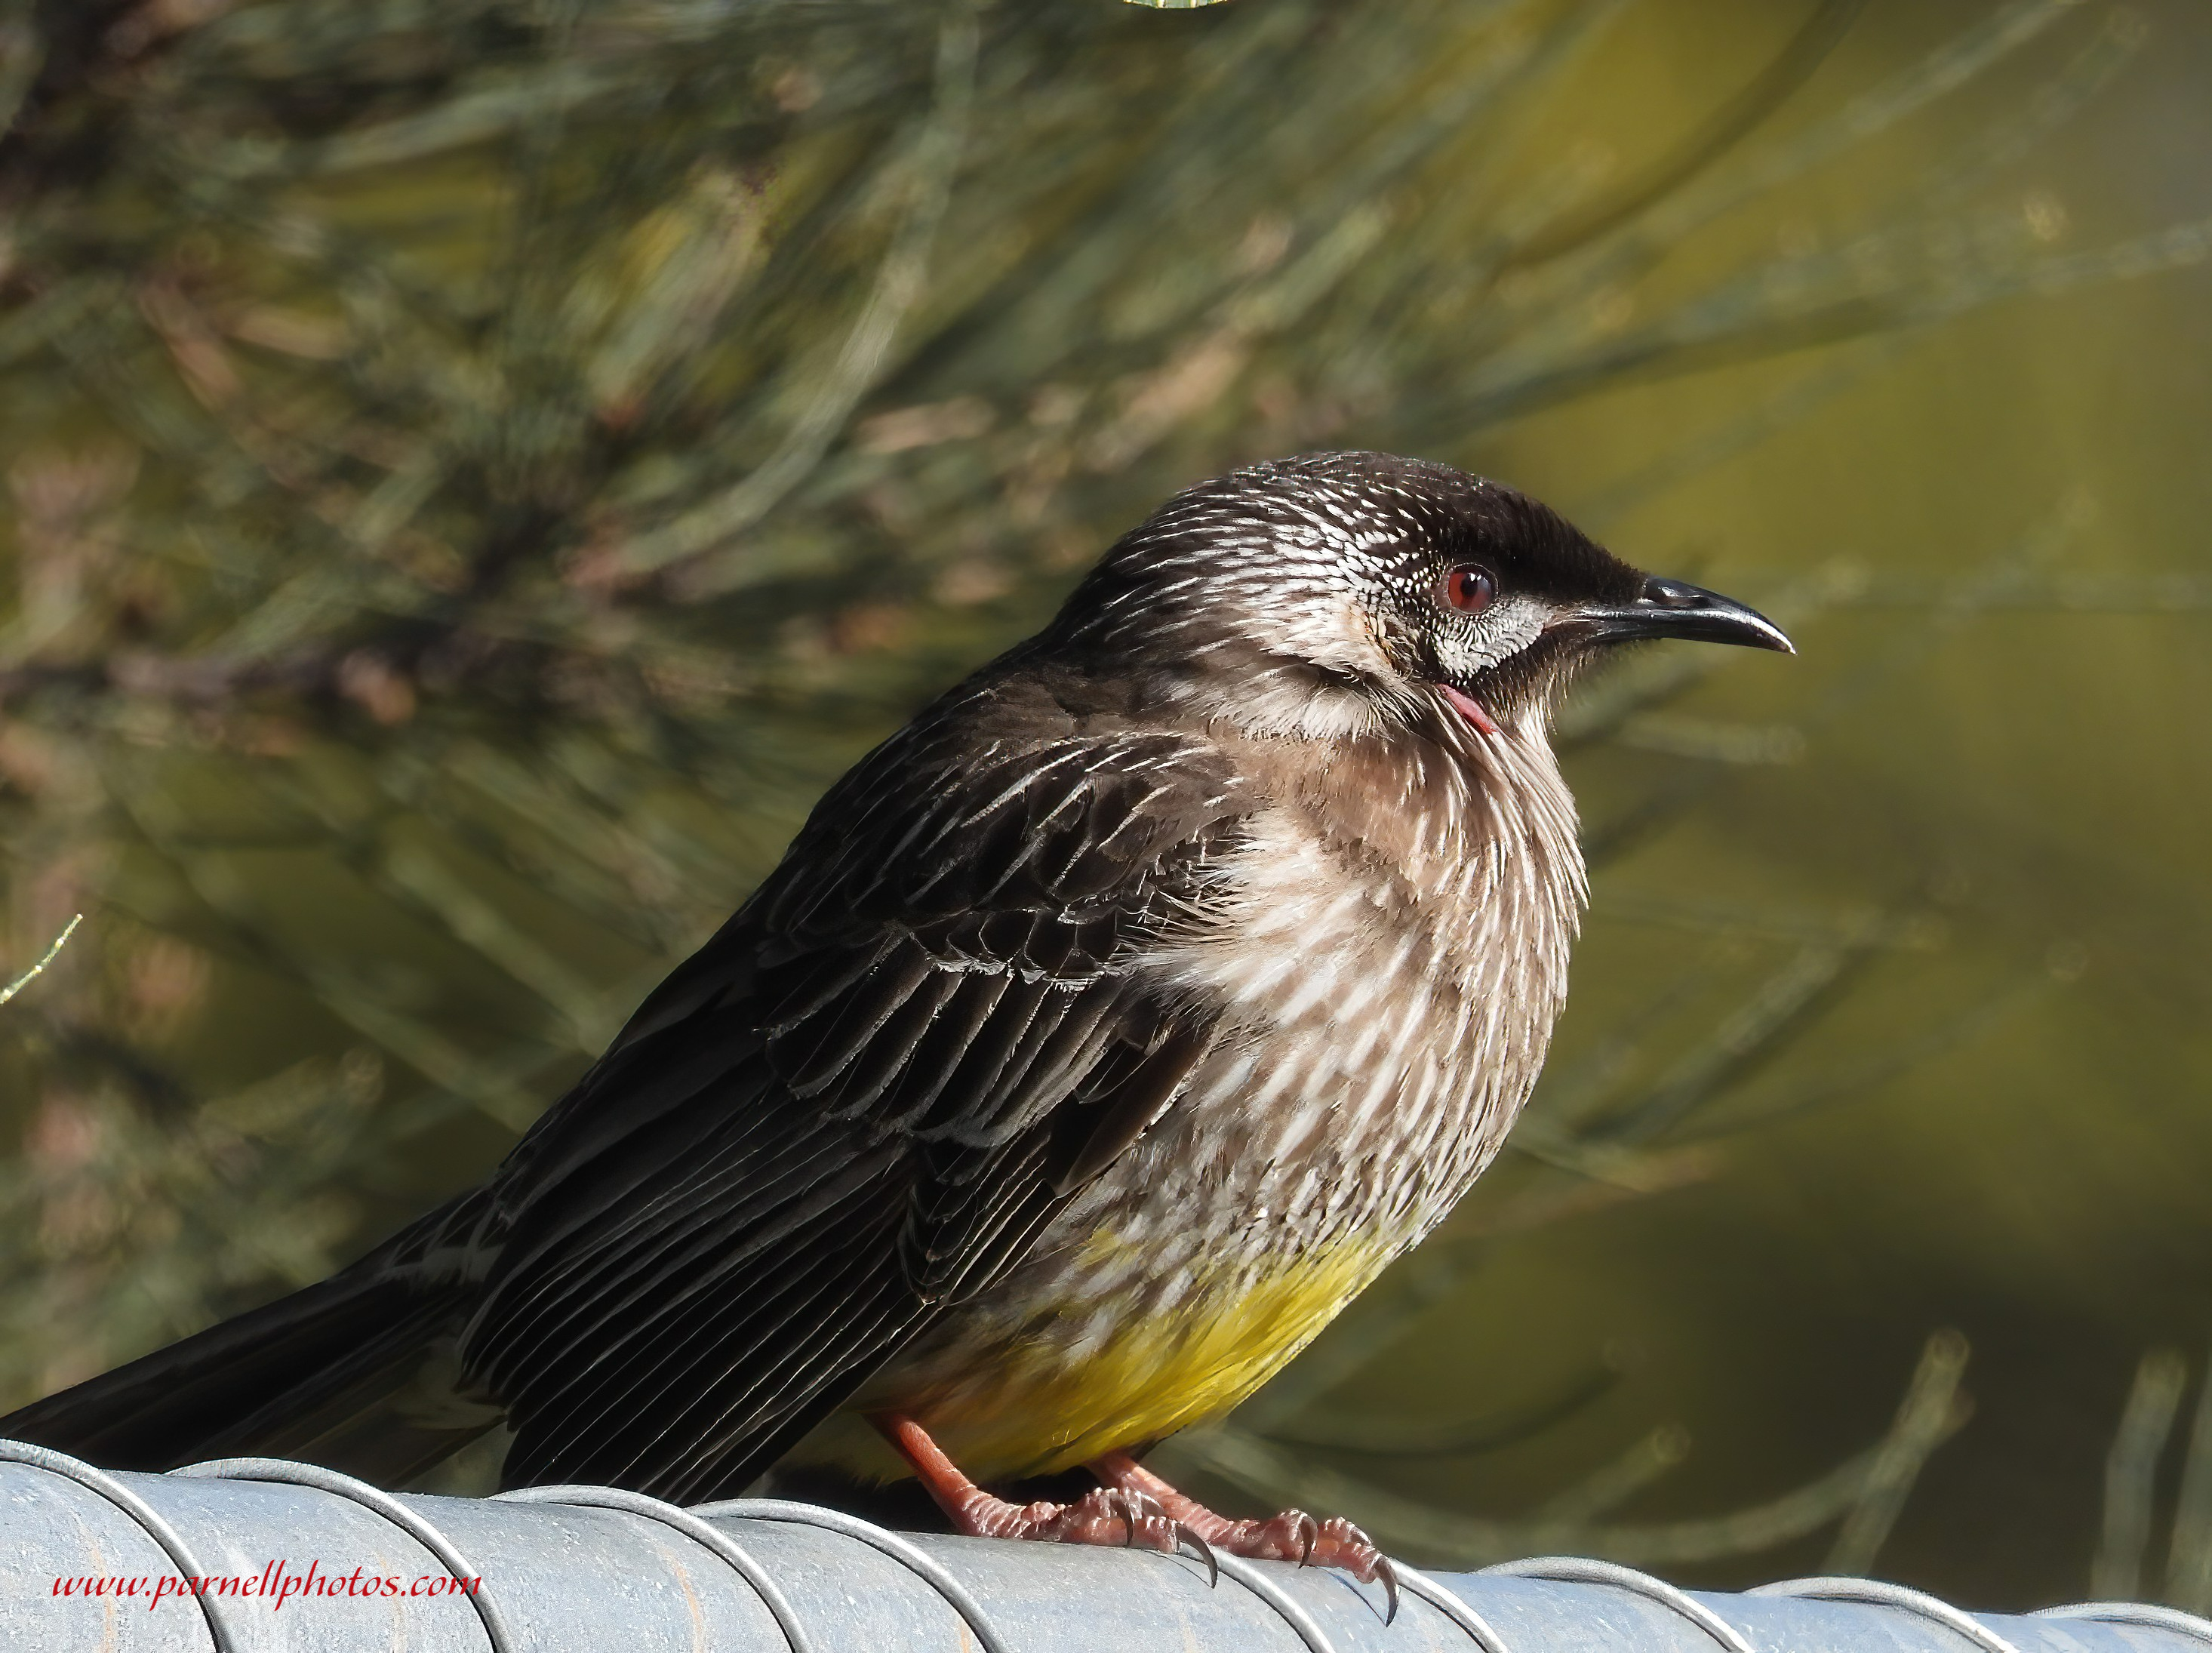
{"points": [[1509, 626]]}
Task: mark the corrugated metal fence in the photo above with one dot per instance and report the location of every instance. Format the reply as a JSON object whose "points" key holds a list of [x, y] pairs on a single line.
{"points": [[290, 1556]]}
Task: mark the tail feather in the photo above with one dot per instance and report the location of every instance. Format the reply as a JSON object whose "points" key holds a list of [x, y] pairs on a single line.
{"points": [[355, 1372]]}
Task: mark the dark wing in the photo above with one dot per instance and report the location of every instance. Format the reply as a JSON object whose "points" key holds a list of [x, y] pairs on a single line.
{"points": [[863, 1099]]}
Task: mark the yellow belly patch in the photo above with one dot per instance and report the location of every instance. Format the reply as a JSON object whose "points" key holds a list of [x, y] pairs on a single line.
{"points": [[1034, 1407]]}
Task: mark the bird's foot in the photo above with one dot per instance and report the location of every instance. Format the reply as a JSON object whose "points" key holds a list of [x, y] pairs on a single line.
{"points": [[1105, 1515], [1122, 1517], [1293, 1536]]}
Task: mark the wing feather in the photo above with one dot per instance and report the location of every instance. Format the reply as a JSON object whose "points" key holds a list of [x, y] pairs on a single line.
{"points": [[862, 1100]]}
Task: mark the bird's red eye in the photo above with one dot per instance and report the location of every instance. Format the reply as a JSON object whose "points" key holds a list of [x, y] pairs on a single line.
{"points": [[1468, 588]]}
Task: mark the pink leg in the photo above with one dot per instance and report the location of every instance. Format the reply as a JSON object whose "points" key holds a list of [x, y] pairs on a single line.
{"points": [[1106, 1515]]}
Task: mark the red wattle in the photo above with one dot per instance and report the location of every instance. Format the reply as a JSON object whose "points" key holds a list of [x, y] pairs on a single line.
{"points": [[1469, 708]]}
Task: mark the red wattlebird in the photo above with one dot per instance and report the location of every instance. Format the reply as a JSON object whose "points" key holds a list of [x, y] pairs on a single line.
{"points": [[1104, 1033]]}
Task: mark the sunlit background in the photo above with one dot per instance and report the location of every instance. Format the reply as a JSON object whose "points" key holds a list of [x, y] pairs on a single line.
{"points": [[478, 468]]}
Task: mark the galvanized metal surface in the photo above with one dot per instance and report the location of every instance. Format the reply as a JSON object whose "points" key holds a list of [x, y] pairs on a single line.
{"points": [[589, 1569]]}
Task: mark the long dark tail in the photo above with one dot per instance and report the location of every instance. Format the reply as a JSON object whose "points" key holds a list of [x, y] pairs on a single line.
{"points": [[357, 1372]]}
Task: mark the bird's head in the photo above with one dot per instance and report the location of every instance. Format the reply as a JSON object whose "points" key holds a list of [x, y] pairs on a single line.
{"points": [[1339, 594]]}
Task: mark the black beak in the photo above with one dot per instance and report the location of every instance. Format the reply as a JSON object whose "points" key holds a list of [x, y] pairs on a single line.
{"points": [[1671, 608]]}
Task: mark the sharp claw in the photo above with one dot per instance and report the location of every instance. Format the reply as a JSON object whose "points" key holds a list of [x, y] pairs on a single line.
{"points": [[1124, 1508], [1388, 1576], [1309, 1537], [1185, 1538]]}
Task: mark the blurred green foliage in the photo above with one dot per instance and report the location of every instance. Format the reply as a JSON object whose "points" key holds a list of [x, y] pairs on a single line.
{"points": [[478, 469]]}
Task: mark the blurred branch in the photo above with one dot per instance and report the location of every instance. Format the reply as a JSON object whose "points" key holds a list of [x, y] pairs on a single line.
{"points": [[428, 887], [1871, 289], [1877, 1480], [1581, 1124], [2189, 1561], [1774, 411], [1838, 1081], [2131, 1473], [1860, 927], [491, 1084], [161, 1220], [1719, 132], [1394, 1438], [1929, 1413], [23, 56], [1642, 241], [1708, 740], [1606, 1488], [51, 52], [2057, 101], [934, 160], [1603, 1176], [1779, 1009], [1600, 714]]}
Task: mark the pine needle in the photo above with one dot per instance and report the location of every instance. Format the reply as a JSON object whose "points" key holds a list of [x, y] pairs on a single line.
{"points": [[52, 952]]}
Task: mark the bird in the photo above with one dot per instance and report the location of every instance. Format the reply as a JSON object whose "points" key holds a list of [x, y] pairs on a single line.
{"points": [[1101, 1034]]}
